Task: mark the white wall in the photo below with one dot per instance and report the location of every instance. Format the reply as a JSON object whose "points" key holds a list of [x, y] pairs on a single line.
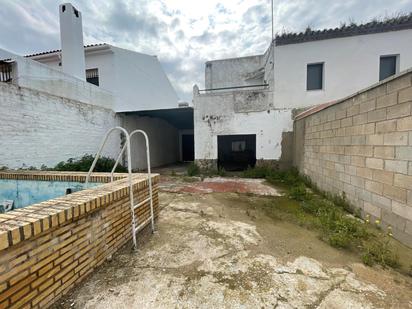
{"points": [[141, 83], [34, 75], [38, 128], [233, 72], [350, 64], [163, 139], [137, 81], [230, 113]]}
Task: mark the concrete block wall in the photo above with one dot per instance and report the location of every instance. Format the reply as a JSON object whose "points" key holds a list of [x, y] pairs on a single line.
{"points": [[39, 128], [362, 146]]}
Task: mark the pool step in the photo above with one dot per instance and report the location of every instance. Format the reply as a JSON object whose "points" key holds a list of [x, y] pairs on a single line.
{"points": [[126, 147], [141, 203]]}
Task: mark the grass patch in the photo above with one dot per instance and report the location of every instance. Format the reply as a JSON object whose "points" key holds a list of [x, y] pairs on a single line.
{"points": [[336, 220]]}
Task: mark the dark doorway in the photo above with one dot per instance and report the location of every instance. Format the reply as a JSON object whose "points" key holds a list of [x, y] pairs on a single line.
{"points": [[236, 152], [188, 147]]}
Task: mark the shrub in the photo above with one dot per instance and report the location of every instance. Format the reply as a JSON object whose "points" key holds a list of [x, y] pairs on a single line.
{"points": [[193, 169], [104, 164]]}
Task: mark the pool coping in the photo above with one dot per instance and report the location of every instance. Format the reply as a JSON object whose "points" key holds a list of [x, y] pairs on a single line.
{"points": [[28, 222]]}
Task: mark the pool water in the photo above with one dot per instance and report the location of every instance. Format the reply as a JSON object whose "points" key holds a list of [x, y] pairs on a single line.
{"points": [[27, 192]]}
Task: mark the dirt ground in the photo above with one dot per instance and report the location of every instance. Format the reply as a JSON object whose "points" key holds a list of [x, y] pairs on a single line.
{"points": [[216, 250]]}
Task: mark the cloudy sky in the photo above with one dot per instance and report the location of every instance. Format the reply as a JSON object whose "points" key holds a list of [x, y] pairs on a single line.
{"points": [[182, 33]]}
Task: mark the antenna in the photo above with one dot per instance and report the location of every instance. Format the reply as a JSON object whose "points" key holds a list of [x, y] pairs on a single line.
{"points": [[272, 21]]}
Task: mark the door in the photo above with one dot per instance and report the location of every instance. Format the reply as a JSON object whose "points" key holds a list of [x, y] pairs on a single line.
{"points": [[188, 147]]}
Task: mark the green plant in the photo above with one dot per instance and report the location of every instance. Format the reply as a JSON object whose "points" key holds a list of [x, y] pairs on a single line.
{"points": [[380, 252], [298, 192], [103, 164], [193, 169]]}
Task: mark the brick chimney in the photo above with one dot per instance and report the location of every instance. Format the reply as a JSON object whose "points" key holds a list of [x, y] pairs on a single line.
{"points": [[71, 36]]}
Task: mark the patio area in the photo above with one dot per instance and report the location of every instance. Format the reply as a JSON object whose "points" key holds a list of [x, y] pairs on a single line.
{"points": [[220, 250]]}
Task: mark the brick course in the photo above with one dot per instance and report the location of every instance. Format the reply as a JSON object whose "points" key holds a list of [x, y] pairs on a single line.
{"points": [[375, 168], [47, 248]]}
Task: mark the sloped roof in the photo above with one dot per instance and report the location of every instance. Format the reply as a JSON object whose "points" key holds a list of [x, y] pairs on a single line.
{"points": [[393, 24], [59, 50]]}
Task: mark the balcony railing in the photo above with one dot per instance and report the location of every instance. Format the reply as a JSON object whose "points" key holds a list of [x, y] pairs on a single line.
{"points": [[235, 87], [5, 71]]}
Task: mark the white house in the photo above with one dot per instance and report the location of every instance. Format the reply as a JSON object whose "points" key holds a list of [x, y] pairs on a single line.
{"points": [[129, 88], [245, 113]]}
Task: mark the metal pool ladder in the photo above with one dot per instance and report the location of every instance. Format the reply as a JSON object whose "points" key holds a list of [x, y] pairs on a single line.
{"points": [[133, 206]]}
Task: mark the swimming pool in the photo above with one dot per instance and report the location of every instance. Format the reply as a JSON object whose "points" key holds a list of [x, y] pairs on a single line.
{"points": [[19, 193]]}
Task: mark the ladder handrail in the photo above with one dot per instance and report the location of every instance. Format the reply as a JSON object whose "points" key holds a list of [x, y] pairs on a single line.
{"points": [[149, 177], [129, 168]]}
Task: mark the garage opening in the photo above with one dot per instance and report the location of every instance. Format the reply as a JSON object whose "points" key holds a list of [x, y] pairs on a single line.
{"points": [[236, 152]]}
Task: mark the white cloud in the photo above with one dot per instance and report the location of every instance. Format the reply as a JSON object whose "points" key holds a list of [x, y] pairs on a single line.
{"points": [[182, 33]]}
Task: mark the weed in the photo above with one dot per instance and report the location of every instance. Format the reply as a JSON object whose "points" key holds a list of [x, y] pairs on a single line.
{"points": [[299, 192], [193, 169], [380, 252], [173, 173]]}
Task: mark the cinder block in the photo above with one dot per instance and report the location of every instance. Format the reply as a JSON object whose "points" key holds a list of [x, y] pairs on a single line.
{"points": [[399, 111], [346, 122], [386, 126], [357, 161], [353, 110], [387, 100], [383, 176], [399, 83], [393, 220], [396, 166], [373, 186], [381, 201], [374, 139], [360, 119], [402, 210], [386, 152], [374, 163], [403, 181], [403, 153], [405, 95], [404, 124], [377, 115], [364, 172], [396, 138], [372, 209], [395, 193], [367, 106]]}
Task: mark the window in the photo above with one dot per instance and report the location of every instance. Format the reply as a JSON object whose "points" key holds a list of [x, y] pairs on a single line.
{"points": [[92, 76], [314, 79], [238, 146], [387, 66]]}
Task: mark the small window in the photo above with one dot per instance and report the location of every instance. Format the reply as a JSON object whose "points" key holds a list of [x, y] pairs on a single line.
{"points": [[387, 66], [92, 76], [238, 146], [314, 79]]}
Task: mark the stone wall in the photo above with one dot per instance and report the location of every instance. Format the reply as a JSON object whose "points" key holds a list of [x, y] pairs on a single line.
{"points": [[362, 146], [47, 248], [39, 128]]}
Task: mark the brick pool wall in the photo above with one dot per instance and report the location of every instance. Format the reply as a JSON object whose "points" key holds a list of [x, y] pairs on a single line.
{"points": [[47, 248], [362, 146]]}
